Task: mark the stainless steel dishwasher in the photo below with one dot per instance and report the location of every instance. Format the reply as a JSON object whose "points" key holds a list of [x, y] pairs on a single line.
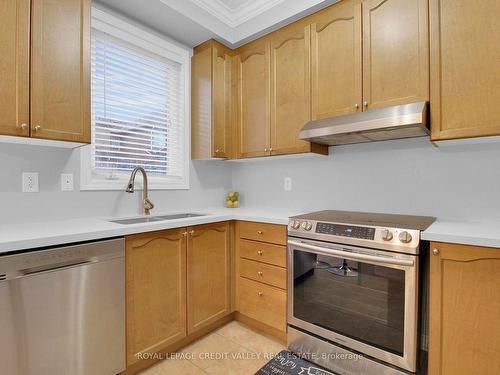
{"points": [[62, 310]]}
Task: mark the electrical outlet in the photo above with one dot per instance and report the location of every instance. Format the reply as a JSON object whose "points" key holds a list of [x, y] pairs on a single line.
{"points": [[30, 182], [67, 182], [287, 184]]}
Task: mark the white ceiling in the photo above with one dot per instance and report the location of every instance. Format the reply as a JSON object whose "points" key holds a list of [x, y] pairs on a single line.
{"points": [[232, 22]]}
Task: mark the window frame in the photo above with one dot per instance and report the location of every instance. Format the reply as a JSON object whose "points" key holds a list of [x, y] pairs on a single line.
{"points": [[128, 32]]}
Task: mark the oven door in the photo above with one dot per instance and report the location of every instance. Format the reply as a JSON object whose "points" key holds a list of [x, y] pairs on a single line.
{"points": [[364, 299]]}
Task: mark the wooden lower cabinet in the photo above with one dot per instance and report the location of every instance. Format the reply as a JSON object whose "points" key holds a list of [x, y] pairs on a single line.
{"points": [[155, 291], [464, 310], [261, 277], [263, 303], [209, 274]]}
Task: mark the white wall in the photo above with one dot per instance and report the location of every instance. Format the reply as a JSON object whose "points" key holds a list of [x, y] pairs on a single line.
{"points": [[209, 182], [411, 177], [407, 176]]}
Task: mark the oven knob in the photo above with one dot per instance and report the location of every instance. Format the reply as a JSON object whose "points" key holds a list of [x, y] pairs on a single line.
{"points": [[295, 224], [307, 225], [387, 235], [405, 237]]}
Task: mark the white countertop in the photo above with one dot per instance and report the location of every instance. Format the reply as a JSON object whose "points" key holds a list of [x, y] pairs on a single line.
{"points": [[52, 233], [466, 233], [15, 237]]}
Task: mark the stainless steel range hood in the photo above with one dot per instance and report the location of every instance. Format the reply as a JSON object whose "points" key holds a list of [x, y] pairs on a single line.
{"points": [[402, 121]]}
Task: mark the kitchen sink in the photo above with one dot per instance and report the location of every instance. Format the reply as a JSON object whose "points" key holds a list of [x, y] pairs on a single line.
{"points": [[152, 219]]}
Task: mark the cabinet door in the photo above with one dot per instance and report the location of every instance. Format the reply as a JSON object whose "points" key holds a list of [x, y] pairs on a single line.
{"points": [[60, 70], [336, 60], [464, 310], [465, 73], [221, 131], [209, 274], [290, 89], [253, 101], [395, 52], [155, 290], [14, 67]]}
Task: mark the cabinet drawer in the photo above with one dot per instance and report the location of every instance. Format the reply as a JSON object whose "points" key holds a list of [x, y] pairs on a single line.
{"points": [[263, 303], [265, 273], [263, 252], [272, 233]]}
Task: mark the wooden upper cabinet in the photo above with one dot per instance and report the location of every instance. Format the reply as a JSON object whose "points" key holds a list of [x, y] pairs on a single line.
{"points": [[253, 120], [290, 89], [336, 60], [464, 310], [60, 70], [14, 67], [156, 291], [211, 101], [465, 73], [395, 52], [209, 274]]}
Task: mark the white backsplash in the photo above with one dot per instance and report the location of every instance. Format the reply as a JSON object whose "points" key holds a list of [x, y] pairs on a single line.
{"points": [[405, 176], [209, 180], [408, 176]]}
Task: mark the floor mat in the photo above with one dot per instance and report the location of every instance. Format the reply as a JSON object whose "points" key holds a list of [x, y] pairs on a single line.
{"points": [[287, 363]]}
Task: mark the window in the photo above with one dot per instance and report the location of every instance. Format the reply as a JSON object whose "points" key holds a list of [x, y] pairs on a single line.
{"points": [[140, 92]]}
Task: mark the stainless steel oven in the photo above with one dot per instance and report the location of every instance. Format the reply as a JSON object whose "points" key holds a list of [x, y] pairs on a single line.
{"points": [[373, 311], [346, 286]]}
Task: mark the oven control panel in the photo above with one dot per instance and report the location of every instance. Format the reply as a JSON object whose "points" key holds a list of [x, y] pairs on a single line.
{"points": [[365, 233]]}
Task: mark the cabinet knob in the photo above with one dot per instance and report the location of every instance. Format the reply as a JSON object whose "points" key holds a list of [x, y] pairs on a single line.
{"points": [[260, 294], [435, 251], [37, 128], [260, 252], [266, 150], [191, 232], [184, 234], [271, 149], [260, 232], [23, 126], [356, 106], [217, 151], [365, 104], [260, 273]]}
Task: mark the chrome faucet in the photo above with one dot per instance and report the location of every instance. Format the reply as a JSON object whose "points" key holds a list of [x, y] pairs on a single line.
{"points": [[147, 205]]}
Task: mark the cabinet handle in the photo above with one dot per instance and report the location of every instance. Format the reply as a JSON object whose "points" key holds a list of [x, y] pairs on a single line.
{"points": [[191, 232], [271, 149], [260, 252], [435, 251], [38, 127], [184, 234], [365, 104], [356, 106], [23, 126], [260, 294], [260, 232], [265, 150], [260, 273]]}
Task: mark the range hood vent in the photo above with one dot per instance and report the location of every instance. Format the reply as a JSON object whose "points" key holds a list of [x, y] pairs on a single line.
{"points": [[397, 122]]}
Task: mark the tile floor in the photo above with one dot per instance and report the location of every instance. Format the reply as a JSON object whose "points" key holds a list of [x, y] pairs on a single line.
{"points": [[232, 349]]}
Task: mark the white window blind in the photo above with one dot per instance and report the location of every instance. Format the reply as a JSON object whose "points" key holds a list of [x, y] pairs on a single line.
{"points": [[138, 104]]}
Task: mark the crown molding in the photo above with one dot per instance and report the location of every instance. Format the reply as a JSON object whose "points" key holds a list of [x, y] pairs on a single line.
{"points": [[233, 17]]}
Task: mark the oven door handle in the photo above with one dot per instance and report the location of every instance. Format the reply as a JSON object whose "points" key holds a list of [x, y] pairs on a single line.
{"points": [[353, 256]]}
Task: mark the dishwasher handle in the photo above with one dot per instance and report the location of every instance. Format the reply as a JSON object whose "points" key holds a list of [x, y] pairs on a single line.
{"points": [[53, 267]]}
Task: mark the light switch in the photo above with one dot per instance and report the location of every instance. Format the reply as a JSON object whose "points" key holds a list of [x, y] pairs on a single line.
{"points": [[67, 182], [287, 184]]}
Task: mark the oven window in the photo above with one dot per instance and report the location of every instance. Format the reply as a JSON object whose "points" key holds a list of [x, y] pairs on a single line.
{"points": [[358, 300]]}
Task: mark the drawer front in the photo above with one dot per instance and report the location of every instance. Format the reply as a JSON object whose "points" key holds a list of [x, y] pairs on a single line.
{"points": [[271, 233], [263, 303], [265, 273], [263, 252]]}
